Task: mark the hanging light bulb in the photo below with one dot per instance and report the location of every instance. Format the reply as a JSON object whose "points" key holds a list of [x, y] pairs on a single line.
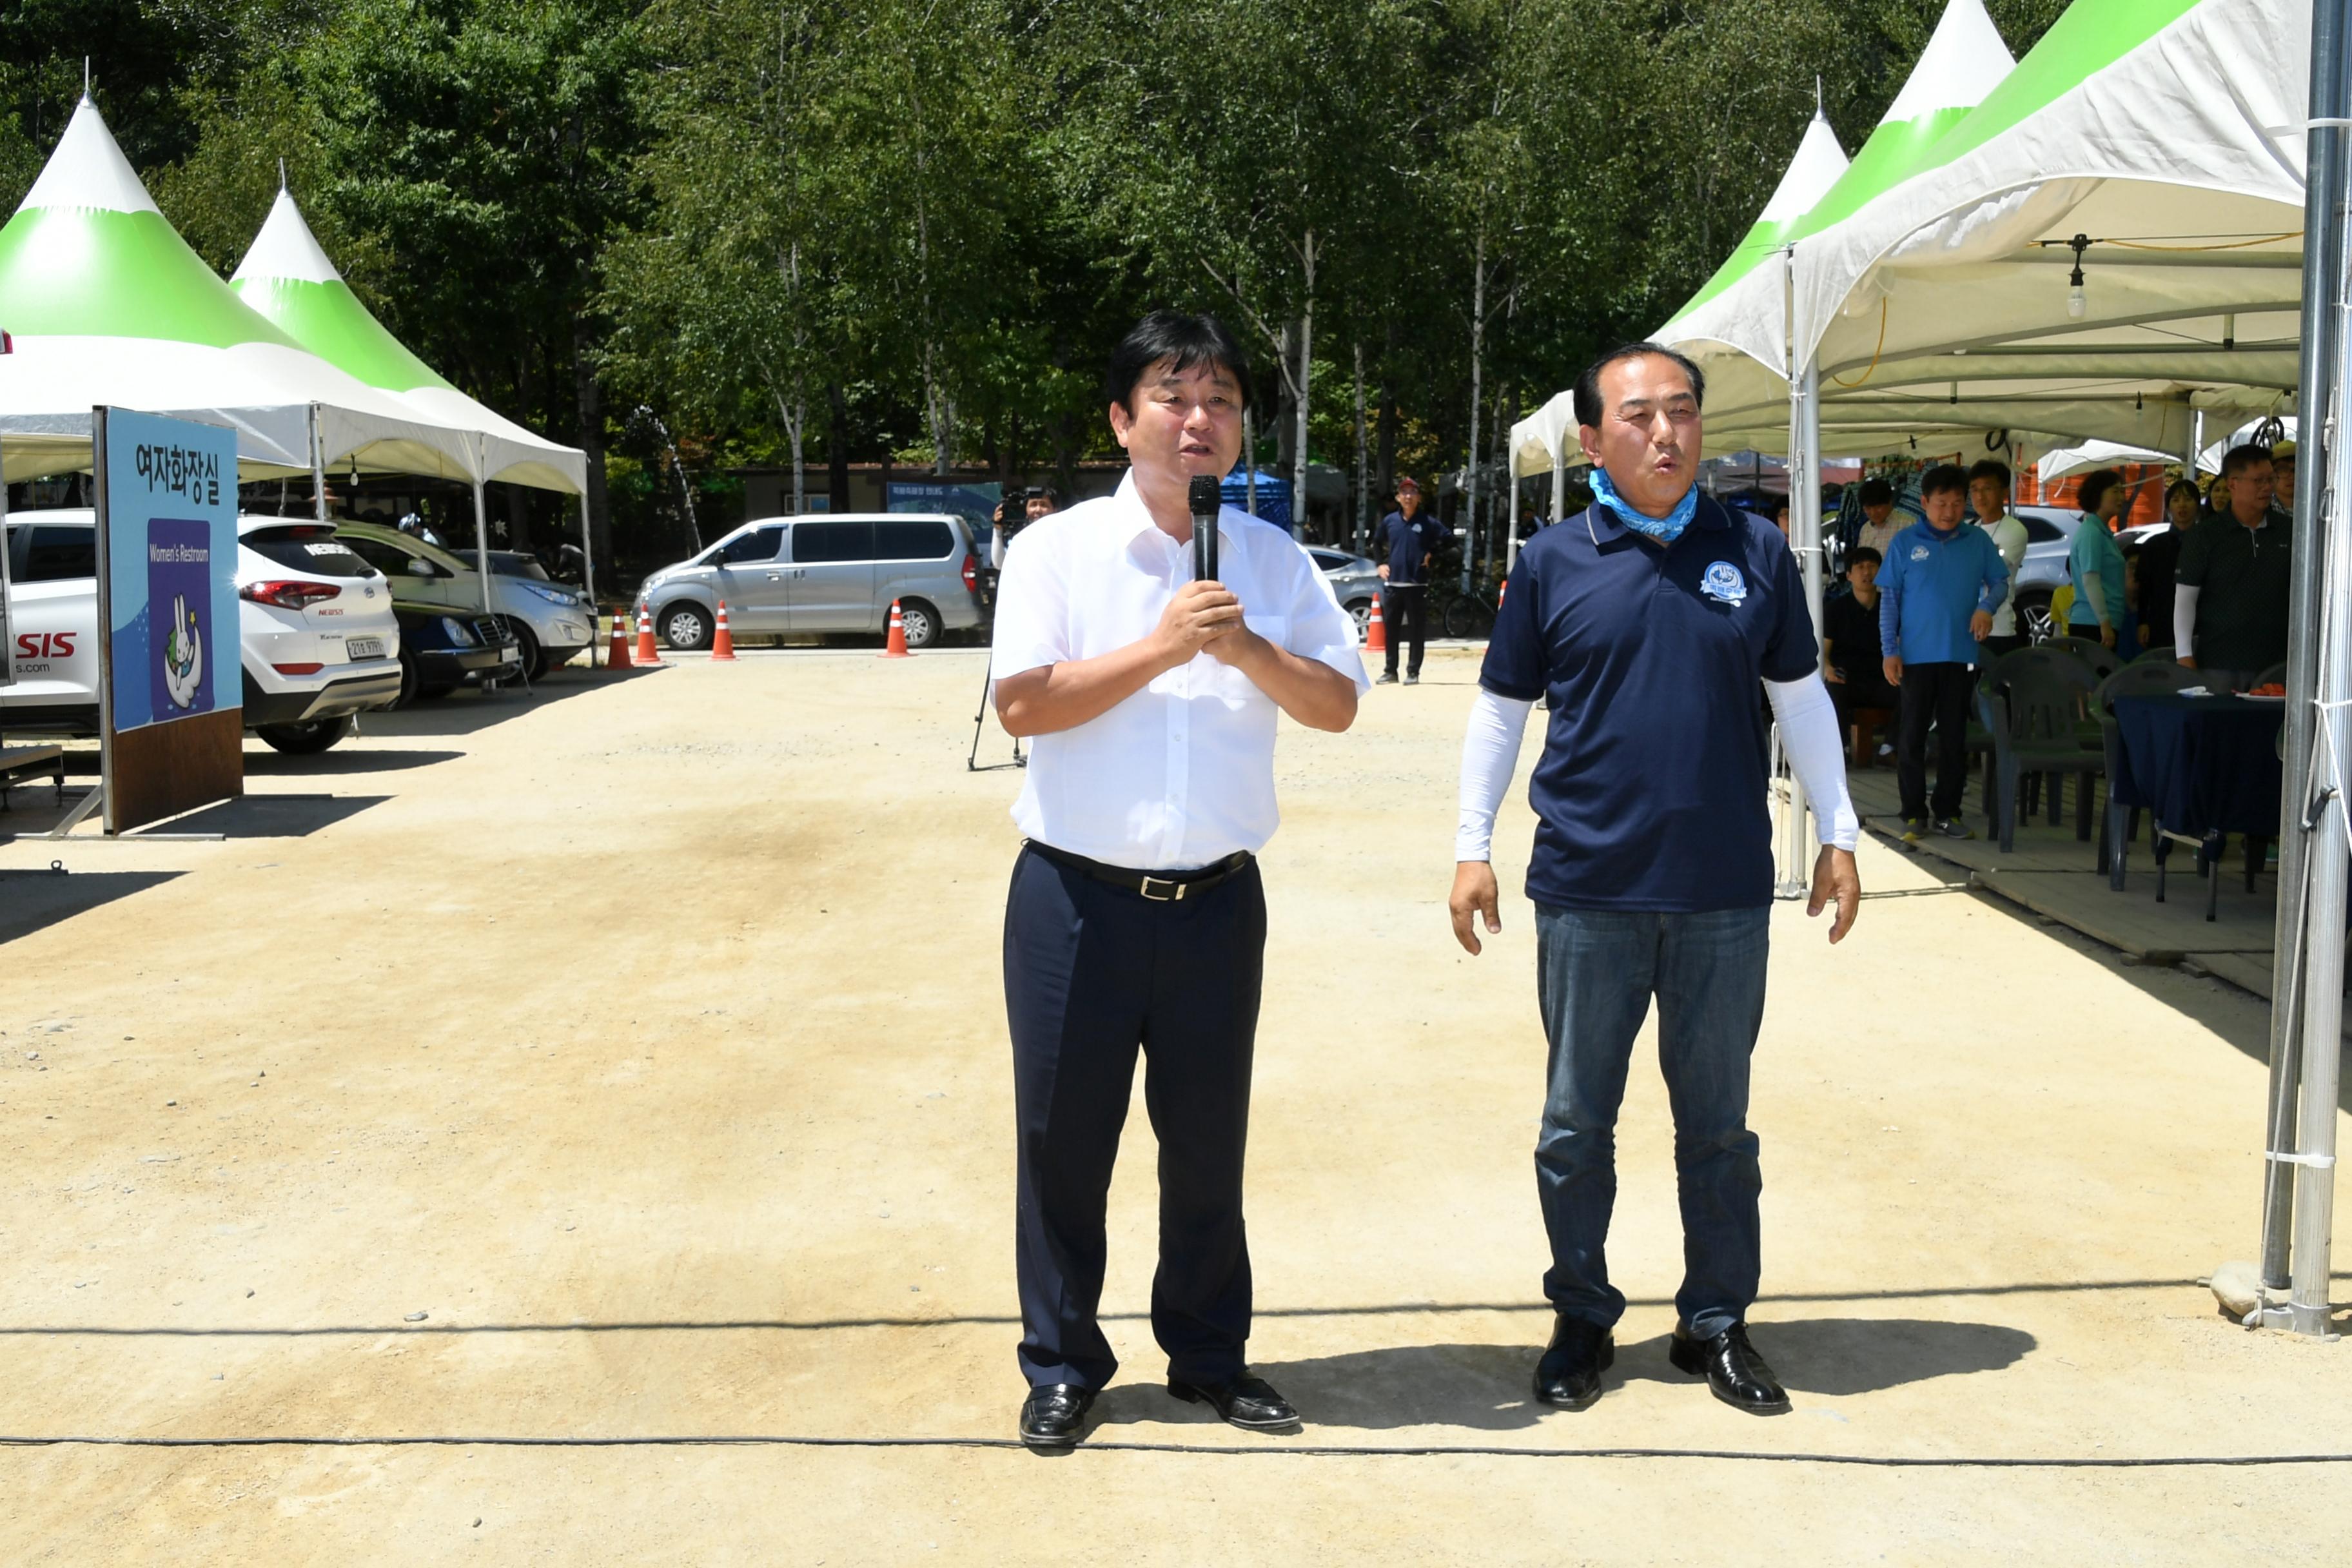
{"points": [[2075, 302]]}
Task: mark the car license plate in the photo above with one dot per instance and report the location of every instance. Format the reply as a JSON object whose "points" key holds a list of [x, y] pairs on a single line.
{"points": [[364, 647]]}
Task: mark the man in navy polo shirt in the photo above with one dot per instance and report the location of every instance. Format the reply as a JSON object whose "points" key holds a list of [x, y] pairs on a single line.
{"points": [[1650, 622]]}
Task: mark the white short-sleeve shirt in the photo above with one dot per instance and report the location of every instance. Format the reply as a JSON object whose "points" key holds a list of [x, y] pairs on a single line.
{"points": [[1181, 774]]}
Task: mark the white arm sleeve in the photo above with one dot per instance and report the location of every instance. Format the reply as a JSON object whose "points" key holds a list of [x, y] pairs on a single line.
{"points": [[2184, 619], [2098, 596], [1490, 755], [1809, 733]]}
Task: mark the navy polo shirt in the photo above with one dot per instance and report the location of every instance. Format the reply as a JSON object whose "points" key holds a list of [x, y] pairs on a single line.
{"points": [[1408, 540], [1651, 791]]}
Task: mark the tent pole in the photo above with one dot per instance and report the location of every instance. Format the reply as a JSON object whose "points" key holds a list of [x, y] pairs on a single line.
{"points": [[1792, 825], [2323, 279], [482, 547], [317, 466], [587, 568]]}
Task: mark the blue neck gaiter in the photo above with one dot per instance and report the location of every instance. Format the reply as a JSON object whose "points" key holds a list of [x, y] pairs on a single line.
{"points": [[1664, 529]]}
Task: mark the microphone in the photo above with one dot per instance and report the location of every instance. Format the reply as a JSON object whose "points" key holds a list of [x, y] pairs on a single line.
{"points": [[1207, 496]]}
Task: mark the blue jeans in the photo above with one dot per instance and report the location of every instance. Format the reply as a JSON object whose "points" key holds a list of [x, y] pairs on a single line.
{"points": [[1596, 971]]}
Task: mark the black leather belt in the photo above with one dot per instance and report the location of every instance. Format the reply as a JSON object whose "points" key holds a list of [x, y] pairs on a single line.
{"points": [[1159, 887]]}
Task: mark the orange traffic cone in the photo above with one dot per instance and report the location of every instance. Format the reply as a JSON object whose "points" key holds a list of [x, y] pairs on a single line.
{"points": [[895, 646], [1376, 631], [722, 646], [646, 652], [617, 656]]}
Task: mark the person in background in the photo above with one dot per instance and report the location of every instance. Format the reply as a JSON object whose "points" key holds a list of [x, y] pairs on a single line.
{"points": [[1936, 600], [1780, 519], [1878, 525], [2096, 566], [2230, 594], [1409, 544], [1851, 660], [2283, 473], [1989, 495], [2158, 557]]}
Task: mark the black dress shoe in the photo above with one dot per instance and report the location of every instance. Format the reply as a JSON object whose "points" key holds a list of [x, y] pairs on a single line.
{"points": [[1569, 1375], [1052, 1415], [1737, 1375], [1248, 1403]]}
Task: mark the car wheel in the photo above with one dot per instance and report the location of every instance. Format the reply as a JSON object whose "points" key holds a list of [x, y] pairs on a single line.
{"points": [[919, 622], [1361, 610], [305, 739], [686, 627], [2033, 619], [527, 649], [407, 681]]}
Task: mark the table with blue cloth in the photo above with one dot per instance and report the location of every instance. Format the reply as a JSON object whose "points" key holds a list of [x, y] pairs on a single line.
{"points": [[2202, 767]]}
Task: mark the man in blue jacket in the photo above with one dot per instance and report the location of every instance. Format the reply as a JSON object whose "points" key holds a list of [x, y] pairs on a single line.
{"points": [[1937, 594]]}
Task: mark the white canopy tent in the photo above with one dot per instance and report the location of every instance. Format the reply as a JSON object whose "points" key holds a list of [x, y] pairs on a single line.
{"points": [[106, 304], [286, 277]]}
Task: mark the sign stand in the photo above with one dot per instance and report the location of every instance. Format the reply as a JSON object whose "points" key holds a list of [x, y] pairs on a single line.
{"points": [[171, 681]]}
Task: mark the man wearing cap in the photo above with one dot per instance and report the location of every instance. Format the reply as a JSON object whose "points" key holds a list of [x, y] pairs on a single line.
{"points": [[1136, 918], [1650, 622], [1410, 543]]}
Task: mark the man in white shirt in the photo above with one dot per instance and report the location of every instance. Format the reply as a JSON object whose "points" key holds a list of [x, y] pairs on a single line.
{"points": [[1136, 917], [1989, 496]]}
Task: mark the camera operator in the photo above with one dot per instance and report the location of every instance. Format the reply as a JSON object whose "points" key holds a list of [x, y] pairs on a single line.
{"points": [[1016, 512]]}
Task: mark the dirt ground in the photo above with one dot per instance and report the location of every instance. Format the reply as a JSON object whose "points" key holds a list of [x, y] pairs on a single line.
{"points": [[579, 1129]]}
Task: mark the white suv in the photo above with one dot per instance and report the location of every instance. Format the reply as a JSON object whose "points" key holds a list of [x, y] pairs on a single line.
{"points": [[315, 623]]}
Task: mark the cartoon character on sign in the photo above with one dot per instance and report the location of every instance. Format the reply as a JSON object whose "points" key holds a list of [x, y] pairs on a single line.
{"points": [[184, 677], [184, 657]]}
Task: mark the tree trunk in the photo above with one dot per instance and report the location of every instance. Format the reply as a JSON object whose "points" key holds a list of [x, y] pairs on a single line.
{"points": [[591, 401], [837, 449], [1306, 381], [1363, 480], [1285, 424], [1477, 367]]}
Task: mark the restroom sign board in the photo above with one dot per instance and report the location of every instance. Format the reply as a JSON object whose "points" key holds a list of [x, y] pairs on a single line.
{"points": [[171, 686]]}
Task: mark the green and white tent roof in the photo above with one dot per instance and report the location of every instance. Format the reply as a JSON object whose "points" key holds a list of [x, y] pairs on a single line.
{"points": [[2167, 133], [287, 277], [1724, 311], [1714, 315], [108, 305], [1965, 61]]}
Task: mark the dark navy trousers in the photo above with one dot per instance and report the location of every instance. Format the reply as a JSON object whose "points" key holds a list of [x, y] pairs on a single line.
{"points": [[1092, 973]]}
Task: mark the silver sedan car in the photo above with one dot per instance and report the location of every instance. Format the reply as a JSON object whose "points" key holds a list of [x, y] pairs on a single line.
{"points": [[1355, 582]]}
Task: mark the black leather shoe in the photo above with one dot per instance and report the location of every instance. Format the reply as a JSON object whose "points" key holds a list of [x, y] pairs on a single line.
{"points": [[1052, 1415], [1569, 1375], [1248, 1403], [1737, 1375]]}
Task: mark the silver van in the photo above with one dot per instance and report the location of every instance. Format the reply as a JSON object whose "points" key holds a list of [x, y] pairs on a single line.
{"points": [[824, 573]]}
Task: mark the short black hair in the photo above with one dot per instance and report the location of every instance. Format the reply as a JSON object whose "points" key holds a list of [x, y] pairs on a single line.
{"points": [[1877, 492], [1588, 386], [1188, 340], [1861, 552], [2094, 487], [1990, 469], [1941, 478], [2238, 460]]}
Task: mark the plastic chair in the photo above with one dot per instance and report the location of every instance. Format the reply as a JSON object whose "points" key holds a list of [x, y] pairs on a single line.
{"points": [[2122, 823], [2104, 660], [2168, 654], [2030, 702]]}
